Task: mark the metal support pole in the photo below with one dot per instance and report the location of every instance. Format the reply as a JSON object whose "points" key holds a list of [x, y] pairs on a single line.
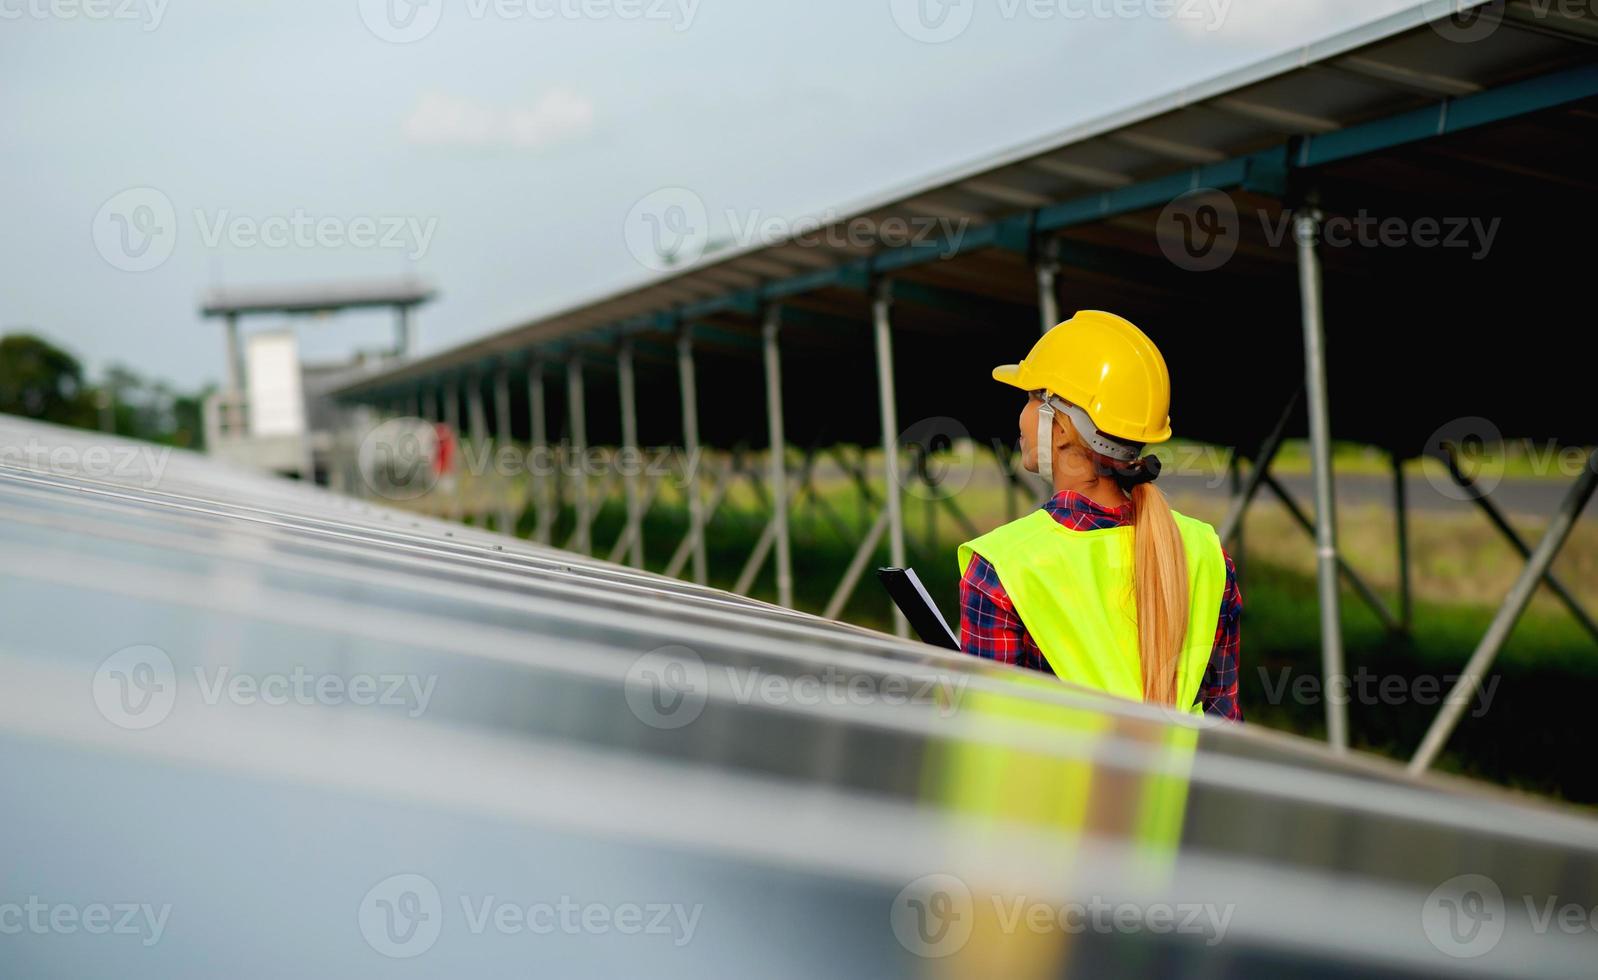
{"points": [[506, 519], [1514, 604], [1307, 230], [779, 455], [415, 403], [689, 385], [629, 452], [545, 468], [1406, 605], [881, 317], [235, 380], [579, 440], [451, 398], [404, 336], [474, 458], [1048, 292]]}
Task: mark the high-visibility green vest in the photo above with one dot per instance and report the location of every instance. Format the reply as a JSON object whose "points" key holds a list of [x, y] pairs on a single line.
{"points": [[1073, 591]]}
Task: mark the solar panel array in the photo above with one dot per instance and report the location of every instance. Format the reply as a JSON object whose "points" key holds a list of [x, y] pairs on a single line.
{"points": [[251, 728]]}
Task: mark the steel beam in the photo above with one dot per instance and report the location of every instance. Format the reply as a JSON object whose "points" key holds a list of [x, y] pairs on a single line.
{"points": [[1542, 558], [778, 462], [544, 459], [502, 437], [882, 324], [688, 383], [1406, 603], [629, 452], [1358, 584], [578, 423], [1307, 229], [451, 397], [1498, 520], [1048, 269], [1232, 523]]}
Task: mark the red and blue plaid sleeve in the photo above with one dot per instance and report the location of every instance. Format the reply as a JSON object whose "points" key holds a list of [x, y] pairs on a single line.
{"points": [[989, 625], [1218, 692]]}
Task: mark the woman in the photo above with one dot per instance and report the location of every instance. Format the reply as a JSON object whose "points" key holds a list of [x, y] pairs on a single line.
{"points": [[1105, 585]]}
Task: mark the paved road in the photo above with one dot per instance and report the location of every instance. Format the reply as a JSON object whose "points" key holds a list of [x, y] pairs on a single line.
{"points": [[1531, 498]]}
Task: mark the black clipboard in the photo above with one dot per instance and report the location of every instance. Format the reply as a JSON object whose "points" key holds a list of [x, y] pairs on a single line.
{"points": [[913, 600]]}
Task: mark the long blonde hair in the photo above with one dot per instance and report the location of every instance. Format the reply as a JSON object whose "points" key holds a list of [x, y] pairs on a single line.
{"points": [[1159, 577]]}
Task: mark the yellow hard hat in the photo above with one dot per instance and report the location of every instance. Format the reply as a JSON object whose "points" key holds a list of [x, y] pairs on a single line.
{"points": [[1108, 367]]}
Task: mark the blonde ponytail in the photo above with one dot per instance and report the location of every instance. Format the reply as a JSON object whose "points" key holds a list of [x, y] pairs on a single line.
{"points": [[1159, 577]]}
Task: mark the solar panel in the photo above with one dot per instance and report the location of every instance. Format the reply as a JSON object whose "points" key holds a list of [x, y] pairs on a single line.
{"points": [[252, 727]]}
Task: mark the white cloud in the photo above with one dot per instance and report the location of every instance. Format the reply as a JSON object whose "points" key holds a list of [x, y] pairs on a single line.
{"points": [[558, 116]]}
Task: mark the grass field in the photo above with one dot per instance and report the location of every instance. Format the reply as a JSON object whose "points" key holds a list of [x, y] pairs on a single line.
{"points": [[1524, 731]]}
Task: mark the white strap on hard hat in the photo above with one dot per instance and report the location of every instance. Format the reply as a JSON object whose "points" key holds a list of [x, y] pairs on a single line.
{"points": [[1102, 443]]}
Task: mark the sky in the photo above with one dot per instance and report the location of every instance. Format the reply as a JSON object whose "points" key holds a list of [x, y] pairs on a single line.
{"points": [[502, 149]]}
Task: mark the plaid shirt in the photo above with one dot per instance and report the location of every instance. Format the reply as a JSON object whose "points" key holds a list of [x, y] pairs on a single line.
{"points": [[990, 627]]}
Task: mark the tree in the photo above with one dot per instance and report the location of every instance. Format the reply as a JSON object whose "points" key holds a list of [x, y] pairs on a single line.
{"points": [[42, 381]]}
